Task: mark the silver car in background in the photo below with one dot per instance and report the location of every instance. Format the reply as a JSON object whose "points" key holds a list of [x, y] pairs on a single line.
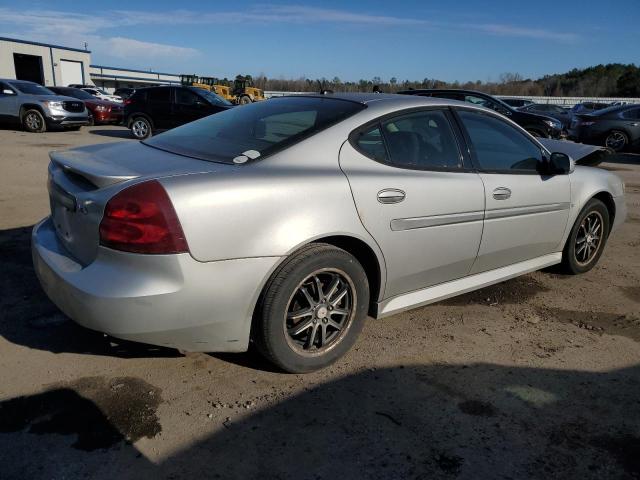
{"points": [[287, 222]]}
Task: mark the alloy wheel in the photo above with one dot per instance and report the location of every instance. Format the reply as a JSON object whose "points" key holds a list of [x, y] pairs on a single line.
{"points": [[320, 311], [33, 121], [588, 238], [140, 128], [616, 140]]}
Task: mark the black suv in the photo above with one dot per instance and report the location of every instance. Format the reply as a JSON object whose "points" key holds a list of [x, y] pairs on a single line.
{"points": [[160, 108], [536, 125]]}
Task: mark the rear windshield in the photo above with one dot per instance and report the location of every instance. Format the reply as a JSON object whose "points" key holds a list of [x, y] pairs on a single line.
{"points": [[31, 88], [256, 130]]}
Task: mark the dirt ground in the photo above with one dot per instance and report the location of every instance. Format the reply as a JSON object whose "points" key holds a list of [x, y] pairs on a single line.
{"points": [[537, 377]]}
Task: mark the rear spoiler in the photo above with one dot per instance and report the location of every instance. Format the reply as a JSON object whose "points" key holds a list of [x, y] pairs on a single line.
{"points": [[90, 168]]}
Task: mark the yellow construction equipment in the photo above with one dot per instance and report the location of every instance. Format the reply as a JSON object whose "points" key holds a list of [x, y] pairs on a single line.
{"points": [[241, 92]]}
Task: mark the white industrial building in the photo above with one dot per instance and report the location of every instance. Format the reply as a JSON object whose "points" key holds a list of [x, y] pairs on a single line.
{"points": [[53, 65]]}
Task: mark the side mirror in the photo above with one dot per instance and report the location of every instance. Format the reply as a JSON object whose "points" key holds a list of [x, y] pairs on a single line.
{"points": [[560, 164], [6, 91], [504, 111]]}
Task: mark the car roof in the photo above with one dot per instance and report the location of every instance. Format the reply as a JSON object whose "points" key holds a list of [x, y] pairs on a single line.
{"points": [[381, 98]]}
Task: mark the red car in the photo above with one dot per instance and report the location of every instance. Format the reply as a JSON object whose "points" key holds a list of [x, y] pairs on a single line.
{"points": [[102, 111]]}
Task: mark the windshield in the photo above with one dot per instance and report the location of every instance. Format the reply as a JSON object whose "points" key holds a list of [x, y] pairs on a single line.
{"points": [[31, 88], [212, 97], [255, 130], [75, 93]]}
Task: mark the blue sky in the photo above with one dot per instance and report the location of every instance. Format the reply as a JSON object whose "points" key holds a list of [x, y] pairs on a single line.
{"points": [[461, 40]]}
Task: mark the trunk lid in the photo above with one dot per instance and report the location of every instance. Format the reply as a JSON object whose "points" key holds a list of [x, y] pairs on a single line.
{"points": [[81, 181]]}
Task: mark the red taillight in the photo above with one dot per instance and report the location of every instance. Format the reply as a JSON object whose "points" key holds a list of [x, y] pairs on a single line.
{"points": [[141, 219]]}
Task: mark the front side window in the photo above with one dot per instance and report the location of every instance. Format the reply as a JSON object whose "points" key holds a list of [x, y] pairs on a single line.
{"points": [[498, 146], [421, 140], [185, 97], [261, 128]]}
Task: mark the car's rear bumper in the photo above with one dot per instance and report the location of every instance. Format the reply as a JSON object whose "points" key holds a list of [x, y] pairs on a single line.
{"points": [[168, 300]]}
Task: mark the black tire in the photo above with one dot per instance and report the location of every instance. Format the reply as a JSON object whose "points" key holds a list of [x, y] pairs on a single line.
{"points": [[33, 121], [616, 140], [273, 331], [141, 128], [245, 99], [574, 260]]}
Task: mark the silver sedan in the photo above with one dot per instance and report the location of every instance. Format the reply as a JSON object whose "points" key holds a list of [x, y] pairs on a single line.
{"points": [[286, 222]]}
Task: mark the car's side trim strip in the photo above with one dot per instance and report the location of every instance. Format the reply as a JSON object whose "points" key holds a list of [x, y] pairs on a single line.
{"points": [[528, 210], [400, 224], [442, 291]]}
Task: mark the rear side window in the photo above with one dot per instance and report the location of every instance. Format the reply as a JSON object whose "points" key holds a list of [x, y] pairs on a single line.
{"points": [[422, 140], [256, 130], [158, 95], [498, 146]]}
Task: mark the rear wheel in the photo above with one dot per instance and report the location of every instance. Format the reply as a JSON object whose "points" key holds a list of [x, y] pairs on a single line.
{"points": [[245, 99], [616, 140], [141, 128], [312, 309], [587, 238], [33, 121]]}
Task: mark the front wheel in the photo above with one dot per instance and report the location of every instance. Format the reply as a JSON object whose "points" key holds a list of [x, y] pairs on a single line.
{"points": [[34, 122], [245, 99], [587, 238], [141, 128], [312, 309]]}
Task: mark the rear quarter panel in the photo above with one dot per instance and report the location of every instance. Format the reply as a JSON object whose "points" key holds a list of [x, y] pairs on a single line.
{"points": [[269, 207]]}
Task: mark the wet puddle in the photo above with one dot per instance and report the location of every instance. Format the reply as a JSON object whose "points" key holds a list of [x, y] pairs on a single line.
{"points": [[99, 412]]}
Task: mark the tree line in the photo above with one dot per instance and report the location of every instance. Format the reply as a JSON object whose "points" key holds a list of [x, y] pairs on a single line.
{"points": [[611, 80]]}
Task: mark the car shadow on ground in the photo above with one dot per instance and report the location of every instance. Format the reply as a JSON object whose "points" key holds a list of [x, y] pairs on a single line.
{"points": [[27, 316], [414, 421], [120, 133]]}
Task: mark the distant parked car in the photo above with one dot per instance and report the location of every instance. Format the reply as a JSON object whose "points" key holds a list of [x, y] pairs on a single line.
{"points": [[160, 108], [554, 111], [124, 93], [38, 109], [102, 95], [616, 127], [516, 102], [102, 111], [536, 125], [588, 107]]}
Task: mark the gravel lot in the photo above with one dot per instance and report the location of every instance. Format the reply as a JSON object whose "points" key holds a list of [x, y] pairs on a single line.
{"points": [[538, 377]]}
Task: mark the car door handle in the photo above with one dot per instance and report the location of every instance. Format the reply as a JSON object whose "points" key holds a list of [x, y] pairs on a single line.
{"points": [[501, 193], [634, 124], [391, 195]]}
